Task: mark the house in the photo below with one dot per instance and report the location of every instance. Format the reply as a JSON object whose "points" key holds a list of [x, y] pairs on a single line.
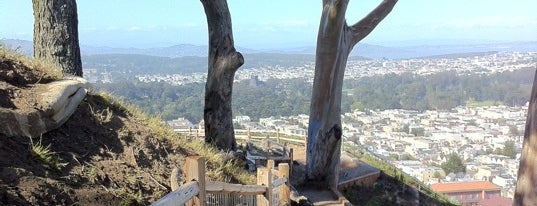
{"points": [[468, 193], [180, 124], [496, 201]]}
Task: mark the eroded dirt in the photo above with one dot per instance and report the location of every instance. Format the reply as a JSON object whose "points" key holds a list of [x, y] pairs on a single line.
{"points": [[101, 156]]}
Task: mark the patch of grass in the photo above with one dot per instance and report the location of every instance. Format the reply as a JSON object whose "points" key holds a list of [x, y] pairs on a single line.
{"points": [[92, 175], [218, 168], [133, 199], [45, 155], [102, 117], [44, 70]]}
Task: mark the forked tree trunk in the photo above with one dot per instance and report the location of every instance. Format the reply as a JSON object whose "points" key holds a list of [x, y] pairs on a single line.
{"points": [[526, 186], [335, 41], [224, 61], [56, 34]]}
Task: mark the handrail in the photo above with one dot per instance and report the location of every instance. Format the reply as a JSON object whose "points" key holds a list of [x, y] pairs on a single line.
{"points": [[222, 187], [179, 196], [195, 191]]}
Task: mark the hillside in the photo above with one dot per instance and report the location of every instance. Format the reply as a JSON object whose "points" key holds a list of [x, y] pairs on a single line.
{"points": [[109, 153], [106, 154]]}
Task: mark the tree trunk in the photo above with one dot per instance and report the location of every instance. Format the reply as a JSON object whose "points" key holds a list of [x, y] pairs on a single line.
{"points": [[335, 41], [224, 61], [526, 187], [56, 34]]}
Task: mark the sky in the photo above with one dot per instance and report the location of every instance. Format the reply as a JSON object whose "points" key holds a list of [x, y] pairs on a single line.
{"points": [[276, 24]]}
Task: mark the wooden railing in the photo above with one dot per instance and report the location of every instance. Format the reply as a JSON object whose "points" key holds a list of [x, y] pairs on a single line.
{"points": [[249, 135], [272, 186]]}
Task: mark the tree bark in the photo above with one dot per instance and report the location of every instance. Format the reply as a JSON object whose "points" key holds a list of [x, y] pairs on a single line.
{"points": [[56, 34], [224, 61], [526, 187], [335, 41]]}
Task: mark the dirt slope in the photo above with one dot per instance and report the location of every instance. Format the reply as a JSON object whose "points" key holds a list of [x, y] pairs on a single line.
{"points": [[104, 154]]}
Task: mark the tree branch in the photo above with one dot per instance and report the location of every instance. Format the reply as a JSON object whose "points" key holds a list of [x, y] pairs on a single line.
{"points": [[362, 28]]}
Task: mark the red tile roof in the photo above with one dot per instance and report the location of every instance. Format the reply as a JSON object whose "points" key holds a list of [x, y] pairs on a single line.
{"points": [[451, 187]]}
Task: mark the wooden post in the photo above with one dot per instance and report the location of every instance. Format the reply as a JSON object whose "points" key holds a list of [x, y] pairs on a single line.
{"points": [[278, 135], [195, 171], [270, 164], [290, 162], [263, 178], [285, 191], [189, 131], [174, 178], [267, 151], [197, 133], [249, 135]]}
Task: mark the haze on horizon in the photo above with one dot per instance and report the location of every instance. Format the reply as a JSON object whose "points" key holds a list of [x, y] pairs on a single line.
{"points": [[284, 24]]}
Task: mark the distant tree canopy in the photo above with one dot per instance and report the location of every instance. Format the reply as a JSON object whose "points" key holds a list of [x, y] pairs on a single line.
{"points": [[292, 95], [453, 164], [442, 91], [509, 149]]}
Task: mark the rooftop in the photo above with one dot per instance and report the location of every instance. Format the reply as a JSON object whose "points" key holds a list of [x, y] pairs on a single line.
{"points": [[465, 186]]}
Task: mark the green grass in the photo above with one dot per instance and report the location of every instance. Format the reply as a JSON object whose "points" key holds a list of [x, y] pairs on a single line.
{"points": [[46, 156]]}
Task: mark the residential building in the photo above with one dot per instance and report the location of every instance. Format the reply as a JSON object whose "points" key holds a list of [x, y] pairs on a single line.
{"points": [[468, 193]]}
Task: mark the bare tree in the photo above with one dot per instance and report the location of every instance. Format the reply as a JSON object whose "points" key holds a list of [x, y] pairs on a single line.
{"points": [[335, 41], [56, 34], [224, 61], [526, 186]]}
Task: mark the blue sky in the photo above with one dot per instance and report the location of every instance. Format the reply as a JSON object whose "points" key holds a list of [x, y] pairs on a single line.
{"points": [[271, 24]]}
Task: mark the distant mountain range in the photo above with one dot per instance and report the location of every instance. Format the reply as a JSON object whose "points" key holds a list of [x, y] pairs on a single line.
{"points": [[363, 50]]}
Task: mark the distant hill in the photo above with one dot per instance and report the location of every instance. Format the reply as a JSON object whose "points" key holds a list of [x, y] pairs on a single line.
{"points": [[406, 52], [363, 50], [145, 64], [22, 46]]}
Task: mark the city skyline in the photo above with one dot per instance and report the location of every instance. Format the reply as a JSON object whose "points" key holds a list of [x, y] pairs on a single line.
{"points": [[284, 24]]}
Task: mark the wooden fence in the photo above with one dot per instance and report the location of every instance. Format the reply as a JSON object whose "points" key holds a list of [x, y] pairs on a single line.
{"points": [[273, 147], [272, 188], [252, 135]]}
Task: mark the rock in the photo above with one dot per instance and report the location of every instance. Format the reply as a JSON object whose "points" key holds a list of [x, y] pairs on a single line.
{"points": [[54, 103]]}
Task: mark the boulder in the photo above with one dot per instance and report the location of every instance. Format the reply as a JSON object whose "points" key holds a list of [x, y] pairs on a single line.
{"points": [[52, 105]]}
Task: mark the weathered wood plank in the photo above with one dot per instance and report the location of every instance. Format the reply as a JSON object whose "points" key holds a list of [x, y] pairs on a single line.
{"points": [[285, 190], [278, 182], [174, 178], [225, 188], [263, 178], [358, 178], [256, 157], [276, 143], [195, 171], [179, 196]]}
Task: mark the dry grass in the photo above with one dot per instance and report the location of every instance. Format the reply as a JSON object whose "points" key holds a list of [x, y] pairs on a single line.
{"points": [[220, 166], [44, 69]]}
